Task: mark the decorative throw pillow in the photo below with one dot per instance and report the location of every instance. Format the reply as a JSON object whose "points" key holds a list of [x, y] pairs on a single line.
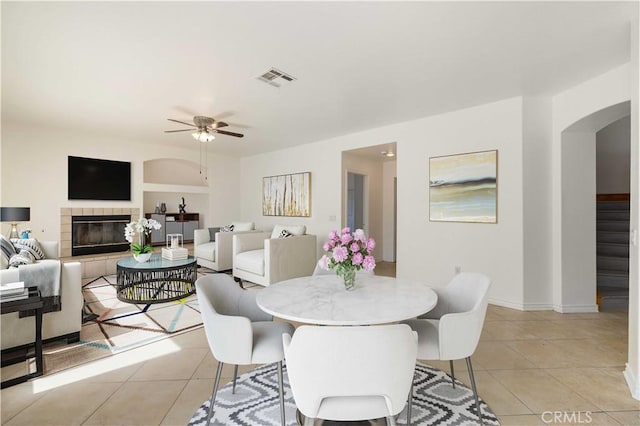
{"points": [[285, 234], [31, 245], [243, 226], [4, 263], [7, 250], [294, 229], [228, 228], [23, 258], [212, 233]]}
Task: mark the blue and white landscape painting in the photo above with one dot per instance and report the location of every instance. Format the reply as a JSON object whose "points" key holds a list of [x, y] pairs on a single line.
{"points": [[462, 188]]}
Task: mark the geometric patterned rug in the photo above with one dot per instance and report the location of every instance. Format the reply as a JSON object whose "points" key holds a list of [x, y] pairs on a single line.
{"points": [[120, 326], [256, 402]]}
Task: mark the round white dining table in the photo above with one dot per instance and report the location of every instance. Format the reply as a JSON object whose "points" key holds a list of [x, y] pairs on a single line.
{"points": [[323, 300]]}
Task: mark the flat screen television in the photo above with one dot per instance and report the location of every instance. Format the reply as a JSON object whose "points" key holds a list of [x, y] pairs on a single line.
{"points": [[95, 179]]}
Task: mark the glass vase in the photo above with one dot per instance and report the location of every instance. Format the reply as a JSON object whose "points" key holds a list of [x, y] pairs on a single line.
{"points": [[349, 278]]}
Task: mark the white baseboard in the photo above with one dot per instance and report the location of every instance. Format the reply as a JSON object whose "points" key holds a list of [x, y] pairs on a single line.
{"points": [[506, 304], [538, 307], [575, 309], [632, 382], [563, 309]]}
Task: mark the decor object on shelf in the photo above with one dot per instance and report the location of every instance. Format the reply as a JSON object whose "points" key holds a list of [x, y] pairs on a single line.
{"points": [[142, 228], [25, 234], [287, 195], [182, 206], [163, 207], [15, 215], [157, 211], [350, 252], [463, 187]]}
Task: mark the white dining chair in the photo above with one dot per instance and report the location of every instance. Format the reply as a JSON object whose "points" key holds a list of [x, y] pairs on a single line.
{"points": [[350, 373], [237, 331], [451, 331]]}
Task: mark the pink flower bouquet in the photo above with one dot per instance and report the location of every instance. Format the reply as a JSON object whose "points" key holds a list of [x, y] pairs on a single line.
{"points": [[349, 252]]}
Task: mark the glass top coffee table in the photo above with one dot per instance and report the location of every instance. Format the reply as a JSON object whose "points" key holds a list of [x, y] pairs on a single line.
{"points": [[157, 281]]}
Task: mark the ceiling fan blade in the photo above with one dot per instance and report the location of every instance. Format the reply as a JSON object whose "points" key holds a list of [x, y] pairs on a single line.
{"points": [[181, 122], [185, 130], [224, 132], [219, 124]]}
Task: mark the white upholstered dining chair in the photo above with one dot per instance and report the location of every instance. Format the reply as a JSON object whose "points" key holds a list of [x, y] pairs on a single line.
{"points": [[350, 373], [452, 329], [237, 331]]}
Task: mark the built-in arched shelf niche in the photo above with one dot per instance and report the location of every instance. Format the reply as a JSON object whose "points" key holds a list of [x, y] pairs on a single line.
{"points": [[167, 180]]}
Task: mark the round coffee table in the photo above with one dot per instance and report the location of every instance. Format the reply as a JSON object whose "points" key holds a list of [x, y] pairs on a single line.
{"points": [[156, 281]]}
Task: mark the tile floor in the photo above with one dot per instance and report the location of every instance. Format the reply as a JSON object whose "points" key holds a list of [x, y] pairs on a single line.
{"points": [[528, 366]]}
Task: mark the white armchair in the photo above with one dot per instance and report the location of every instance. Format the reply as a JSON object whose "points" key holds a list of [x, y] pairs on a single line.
{"points": [[264, 258], [217, 253]]}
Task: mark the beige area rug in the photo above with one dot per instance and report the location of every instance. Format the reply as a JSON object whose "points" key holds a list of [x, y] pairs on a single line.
{"points": [[121, 326]]}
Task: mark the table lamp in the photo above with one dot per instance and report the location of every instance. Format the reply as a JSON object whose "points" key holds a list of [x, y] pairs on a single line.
{"points": [[15, 215]]}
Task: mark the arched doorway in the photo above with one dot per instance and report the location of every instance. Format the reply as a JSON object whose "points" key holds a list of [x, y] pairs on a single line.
{"points": [[579, 206]]}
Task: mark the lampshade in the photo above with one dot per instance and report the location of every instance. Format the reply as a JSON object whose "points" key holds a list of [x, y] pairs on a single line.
{"points": [[203, 136], [15, 214]]}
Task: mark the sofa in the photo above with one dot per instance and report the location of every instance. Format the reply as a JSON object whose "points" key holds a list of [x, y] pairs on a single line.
{"points": [[213, 248], [267, 257], [64, 324]]}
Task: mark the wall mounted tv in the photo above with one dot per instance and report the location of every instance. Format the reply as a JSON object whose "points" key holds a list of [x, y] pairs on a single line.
{"points": [[95, 179]]}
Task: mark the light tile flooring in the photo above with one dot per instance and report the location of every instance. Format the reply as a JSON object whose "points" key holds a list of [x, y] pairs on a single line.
{"points": [[529, 365]]}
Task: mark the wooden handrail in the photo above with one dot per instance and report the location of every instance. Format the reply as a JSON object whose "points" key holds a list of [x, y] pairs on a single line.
{"points": [[613, 197]]}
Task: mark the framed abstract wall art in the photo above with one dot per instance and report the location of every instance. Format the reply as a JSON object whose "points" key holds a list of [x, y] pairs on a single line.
{"points": [[464, 187], [287, 195]]}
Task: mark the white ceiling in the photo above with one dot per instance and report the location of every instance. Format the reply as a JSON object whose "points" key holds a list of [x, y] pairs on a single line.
{"points": [[122, 69]]}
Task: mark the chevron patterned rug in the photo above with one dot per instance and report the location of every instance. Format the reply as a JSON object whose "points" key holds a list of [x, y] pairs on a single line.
{"points": [[256, 402]]}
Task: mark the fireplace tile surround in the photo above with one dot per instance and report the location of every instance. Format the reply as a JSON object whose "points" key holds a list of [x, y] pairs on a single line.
{"points": [[97, 264]]}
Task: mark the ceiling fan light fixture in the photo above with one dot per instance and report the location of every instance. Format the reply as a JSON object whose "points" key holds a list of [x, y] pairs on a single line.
{"points": [[203, 136], [388, 153]]}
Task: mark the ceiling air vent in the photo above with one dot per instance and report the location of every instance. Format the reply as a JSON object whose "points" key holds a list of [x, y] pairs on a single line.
{"points": [[276, 77]]}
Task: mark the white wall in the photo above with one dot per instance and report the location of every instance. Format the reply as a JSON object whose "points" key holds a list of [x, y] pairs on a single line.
{"points": [[613, 152], [632, 371], [427, 251], [578, 222], [536, 153], [430, 250], [388, 210], [44, 186]]}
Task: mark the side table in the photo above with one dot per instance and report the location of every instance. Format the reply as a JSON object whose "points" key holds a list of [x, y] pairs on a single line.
{"points": [[22, 353]]}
